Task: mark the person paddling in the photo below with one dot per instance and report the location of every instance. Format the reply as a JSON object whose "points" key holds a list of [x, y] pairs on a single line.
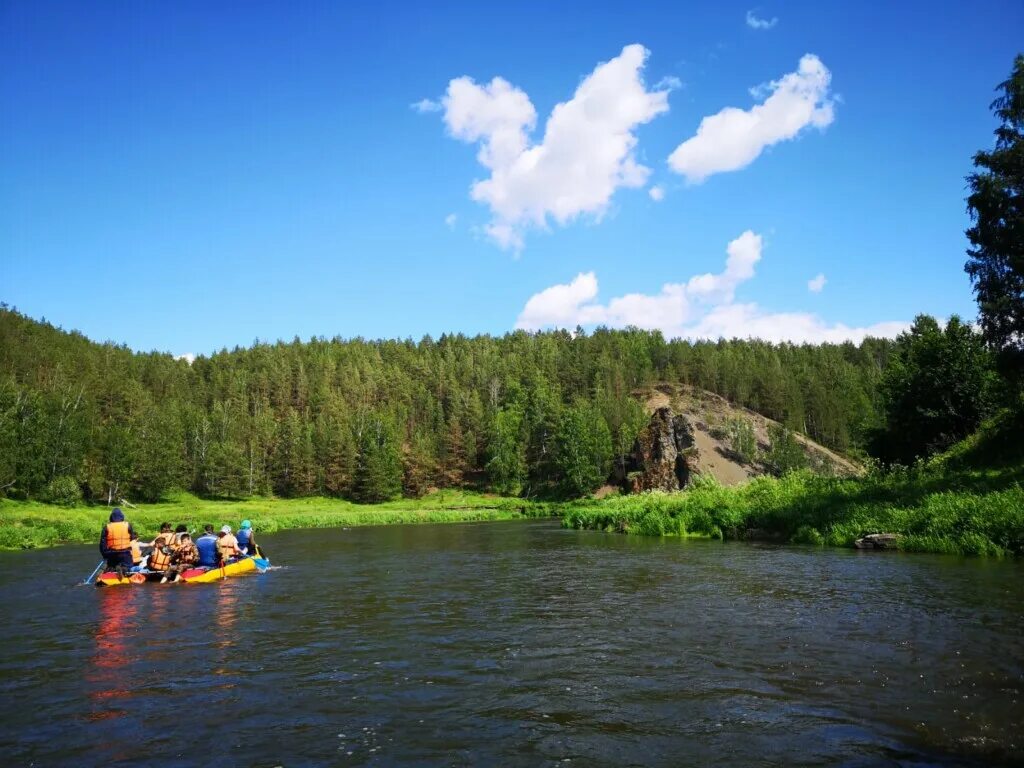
{"points": [[116, 543], [246, 539], [227, 545]]}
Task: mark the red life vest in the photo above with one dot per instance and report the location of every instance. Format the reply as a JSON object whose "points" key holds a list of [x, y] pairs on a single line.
{"points": [[118, 538]]}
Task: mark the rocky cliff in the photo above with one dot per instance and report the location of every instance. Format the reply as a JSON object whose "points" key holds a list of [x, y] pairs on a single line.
{"points": [[664, 456]]}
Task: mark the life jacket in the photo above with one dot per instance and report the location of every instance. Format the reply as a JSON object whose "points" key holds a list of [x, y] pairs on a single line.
{"points": [[136, 553], [207, 546], [243, 539], [118, 538], [186, 554], [227, 544], [158, 559]]}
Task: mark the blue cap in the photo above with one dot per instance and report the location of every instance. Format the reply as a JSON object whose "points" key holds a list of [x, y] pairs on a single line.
{"points": [[116, 516], [246, 524]]}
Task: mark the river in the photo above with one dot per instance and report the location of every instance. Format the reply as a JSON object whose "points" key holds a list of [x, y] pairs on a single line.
{"points": [[517, 644]]}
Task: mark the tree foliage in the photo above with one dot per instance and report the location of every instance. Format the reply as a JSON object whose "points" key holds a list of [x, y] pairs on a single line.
{"points": [[996, 204], [937, 389]]}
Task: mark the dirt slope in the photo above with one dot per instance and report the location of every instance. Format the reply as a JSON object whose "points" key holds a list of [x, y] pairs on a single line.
{"points": [[709, 413]]}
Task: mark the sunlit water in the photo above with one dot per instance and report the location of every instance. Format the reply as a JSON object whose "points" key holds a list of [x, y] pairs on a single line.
{"points": [[517, 644]]}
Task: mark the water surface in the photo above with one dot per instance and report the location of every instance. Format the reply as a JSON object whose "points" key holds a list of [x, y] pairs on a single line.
{"points": [[518, 644]]}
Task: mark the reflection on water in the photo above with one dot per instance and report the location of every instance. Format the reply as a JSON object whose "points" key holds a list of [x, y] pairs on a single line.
{"points": [[519, 644], [107, 671]]}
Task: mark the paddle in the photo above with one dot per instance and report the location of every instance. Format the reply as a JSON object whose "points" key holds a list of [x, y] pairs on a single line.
{"points": [[93, 574]]}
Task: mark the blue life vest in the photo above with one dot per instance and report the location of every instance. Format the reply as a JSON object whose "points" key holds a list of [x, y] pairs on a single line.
{"points": [[243, 539], [207, 546]]}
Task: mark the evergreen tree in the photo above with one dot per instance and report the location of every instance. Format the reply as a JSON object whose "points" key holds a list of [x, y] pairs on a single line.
{"points": [[379, 468], [506, 468], [583, 450], [996, 204]]}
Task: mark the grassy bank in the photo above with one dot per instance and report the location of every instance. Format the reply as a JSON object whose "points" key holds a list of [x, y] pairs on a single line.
{"points": [[968, 501], [31, 524]]}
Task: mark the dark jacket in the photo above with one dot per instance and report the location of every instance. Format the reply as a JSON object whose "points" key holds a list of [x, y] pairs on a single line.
{"points": [[117, 516]]}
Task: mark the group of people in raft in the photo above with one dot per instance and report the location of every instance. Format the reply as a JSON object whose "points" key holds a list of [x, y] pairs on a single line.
{"points": [[171, 552]]}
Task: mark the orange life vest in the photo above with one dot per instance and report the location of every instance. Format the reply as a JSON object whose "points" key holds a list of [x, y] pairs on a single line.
{"points": [[158, 560], [227, 544], [118, 538], [136, 553]]}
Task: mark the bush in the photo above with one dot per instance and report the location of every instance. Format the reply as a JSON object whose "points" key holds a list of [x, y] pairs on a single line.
{"points": [[785, 453], [64, 490], [741, 440]]}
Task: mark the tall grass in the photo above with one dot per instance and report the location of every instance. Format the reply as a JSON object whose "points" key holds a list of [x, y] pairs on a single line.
{"points": [[804, 508], [25, 525], [968, 501]]}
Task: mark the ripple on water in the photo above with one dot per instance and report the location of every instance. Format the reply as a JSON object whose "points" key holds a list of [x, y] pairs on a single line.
{"points": [[520, 644]]}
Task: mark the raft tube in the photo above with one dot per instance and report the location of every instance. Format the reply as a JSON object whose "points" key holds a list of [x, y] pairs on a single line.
{"points": [[191, 576]]}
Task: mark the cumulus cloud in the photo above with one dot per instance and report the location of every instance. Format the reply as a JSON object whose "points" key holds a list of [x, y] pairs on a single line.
{"points": [[450, 219], [562, 306], [755, 23], [657, 193], [733, 138], [423, 106], [585, 155], [815, 284], [188, 357], [743, 253], [702, 307]]}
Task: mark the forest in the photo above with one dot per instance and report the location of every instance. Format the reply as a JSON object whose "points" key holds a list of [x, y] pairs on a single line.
{"points": [[522, 414]]}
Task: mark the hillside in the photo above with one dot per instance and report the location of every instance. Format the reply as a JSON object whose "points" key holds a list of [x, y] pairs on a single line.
{"points": [[709, 414]]}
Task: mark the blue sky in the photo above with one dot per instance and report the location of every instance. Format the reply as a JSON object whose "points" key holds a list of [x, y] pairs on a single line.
{"points": [[189, 176]]}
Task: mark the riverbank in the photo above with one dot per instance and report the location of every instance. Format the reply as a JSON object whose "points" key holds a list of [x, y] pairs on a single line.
{"points": [[29, 525], [968, 501]]}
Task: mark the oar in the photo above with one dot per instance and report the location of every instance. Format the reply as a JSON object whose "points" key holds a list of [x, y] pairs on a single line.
{"points": [[93, 574]]}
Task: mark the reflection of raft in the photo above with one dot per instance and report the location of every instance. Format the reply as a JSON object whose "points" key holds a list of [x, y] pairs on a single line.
{"points": [[192, 576]]}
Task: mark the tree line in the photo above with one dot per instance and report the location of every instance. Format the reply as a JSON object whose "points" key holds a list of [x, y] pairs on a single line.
{"points": [[532, 414]]}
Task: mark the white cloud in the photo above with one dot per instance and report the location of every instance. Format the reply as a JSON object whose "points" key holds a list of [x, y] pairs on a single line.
{"points": [[188, 357], [755, 23], [743, 253], [586, 154], [750, 321], [562, 306], [815, 285], [450, 219], [657, 193], [668, 83], [734, 138], [423, 106], [702, 307]]}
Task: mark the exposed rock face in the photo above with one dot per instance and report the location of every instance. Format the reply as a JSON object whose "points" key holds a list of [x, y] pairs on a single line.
{"points": [[663, 455]]}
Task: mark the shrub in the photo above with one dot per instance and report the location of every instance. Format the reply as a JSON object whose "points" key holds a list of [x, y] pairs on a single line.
{"points": [[64, 490], [741, 440]]}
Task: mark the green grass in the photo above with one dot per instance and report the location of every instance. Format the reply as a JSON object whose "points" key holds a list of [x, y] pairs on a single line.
{"points": [[25, 525], [967, 501]]}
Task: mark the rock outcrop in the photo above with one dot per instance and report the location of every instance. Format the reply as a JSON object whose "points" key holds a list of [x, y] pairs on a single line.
{"points": [[878, 541], [663, 455]]}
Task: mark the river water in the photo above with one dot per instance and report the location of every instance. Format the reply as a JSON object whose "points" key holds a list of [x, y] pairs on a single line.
{"points": [[517, 644]]}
